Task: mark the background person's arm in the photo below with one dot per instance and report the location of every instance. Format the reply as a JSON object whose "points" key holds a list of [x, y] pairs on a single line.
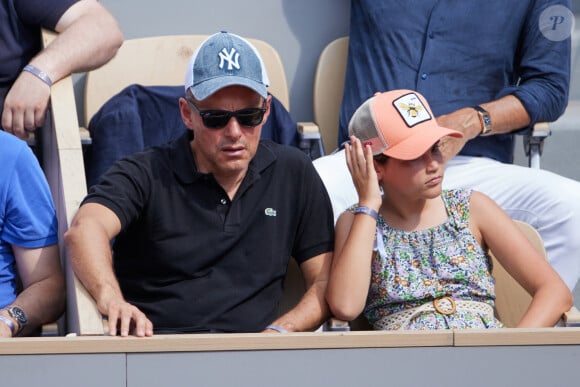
{"points": [[88, 37], [507, 114], [43, 294]]}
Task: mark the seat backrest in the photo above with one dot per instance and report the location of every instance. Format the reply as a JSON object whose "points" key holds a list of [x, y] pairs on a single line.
{"points": [[162, 61], [294, 287], [512, 300], [328, 88]]}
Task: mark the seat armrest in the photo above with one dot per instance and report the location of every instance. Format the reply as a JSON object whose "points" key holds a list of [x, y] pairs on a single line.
{"points": [[541, 129], [85, 136], [534, 143], [333, 324], [310, 139], [572, 318], [308, 130]]}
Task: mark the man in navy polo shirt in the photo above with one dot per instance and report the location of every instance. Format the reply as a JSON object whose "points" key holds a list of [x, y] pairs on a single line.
{"points": [[490, 68], [204, 226]]}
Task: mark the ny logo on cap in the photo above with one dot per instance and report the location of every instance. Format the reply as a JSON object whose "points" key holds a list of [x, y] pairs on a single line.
{"points": [[411, 109], [231, 57]]}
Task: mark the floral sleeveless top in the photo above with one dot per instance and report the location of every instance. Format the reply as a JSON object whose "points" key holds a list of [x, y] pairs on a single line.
{"points": [[411, 268]]}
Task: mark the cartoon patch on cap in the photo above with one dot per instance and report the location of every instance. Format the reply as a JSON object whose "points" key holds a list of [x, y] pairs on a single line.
{"points": [[411, 109]]}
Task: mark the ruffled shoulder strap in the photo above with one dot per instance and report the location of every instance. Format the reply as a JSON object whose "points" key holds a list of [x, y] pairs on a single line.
{"points": [[457, 203]]}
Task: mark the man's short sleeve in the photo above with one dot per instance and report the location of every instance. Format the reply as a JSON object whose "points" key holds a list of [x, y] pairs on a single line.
{"points": [[30, 217], [45, 13]]}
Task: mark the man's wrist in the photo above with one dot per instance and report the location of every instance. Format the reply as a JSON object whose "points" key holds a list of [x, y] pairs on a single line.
{"points": [[38, 73], [9, 323], [484, 120], [276, 328]]}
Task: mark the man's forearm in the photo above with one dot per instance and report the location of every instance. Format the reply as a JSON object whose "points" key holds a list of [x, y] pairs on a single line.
{"points": [[309, 314], [507, 114], [43, 302], [43, 295], [312, 309]]}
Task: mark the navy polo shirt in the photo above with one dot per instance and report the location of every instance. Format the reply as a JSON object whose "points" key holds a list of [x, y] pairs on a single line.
{"points": [[460, 53], [191, 259]]}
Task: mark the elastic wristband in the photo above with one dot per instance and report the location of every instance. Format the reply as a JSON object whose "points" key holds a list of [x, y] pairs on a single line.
{"points": [[366, 210], [10, 324], [277, 328], [39, 74]]}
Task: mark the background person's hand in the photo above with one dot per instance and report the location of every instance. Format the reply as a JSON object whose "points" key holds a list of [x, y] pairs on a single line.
{"points": [[25, 105]]}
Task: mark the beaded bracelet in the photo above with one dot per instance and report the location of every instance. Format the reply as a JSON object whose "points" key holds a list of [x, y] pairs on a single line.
{"points": [[366, 210], [39, 74], [277, 328]]}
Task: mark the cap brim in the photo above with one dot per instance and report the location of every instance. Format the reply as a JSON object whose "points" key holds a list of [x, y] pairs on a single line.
{"points": [[205, 89], [419, 143]]}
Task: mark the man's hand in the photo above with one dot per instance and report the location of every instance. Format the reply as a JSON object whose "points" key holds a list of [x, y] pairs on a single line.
{"points": [[464, 120], [25, 105], [127, 318]]}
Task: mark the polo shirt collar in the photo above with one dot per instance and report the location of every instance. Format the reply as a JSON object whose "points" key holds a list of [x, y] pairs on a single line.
{"points": [[184, 164]]}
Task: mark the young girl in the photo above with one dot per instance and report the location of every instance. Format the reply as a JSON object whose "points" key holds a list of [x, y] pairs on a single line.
{"points": [[414, 256]]}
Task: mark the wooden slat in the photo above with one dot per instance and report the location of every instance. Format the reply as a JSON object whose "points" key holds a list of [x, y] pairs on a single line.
{"points": [[65, 172], [290, 341], [224, 342]]}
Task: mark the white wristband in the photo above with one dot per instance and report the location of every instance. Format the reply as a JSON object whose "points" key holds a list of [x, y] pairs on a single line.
{"points": [[366, 210], [277, 328], [39, 74]]}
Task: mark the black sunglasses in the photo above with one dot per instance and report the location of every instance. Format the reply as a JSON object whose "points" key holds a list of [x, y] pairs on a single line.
{"points": [[217, 119]]}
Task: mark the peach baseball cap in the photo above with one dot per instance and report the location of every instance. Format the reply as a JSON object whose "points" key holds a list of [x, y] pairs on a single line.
{"points": [[399, 124]]}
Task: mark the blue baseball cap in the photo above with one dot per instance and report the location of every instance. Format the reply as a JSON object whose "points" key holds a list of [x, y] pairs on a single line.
{"points": [[223, 60]]}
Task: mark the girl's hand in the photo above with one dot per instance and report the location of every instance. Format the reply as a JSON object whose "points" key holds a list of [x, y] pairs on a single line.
{"points": [[359, 160]]}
